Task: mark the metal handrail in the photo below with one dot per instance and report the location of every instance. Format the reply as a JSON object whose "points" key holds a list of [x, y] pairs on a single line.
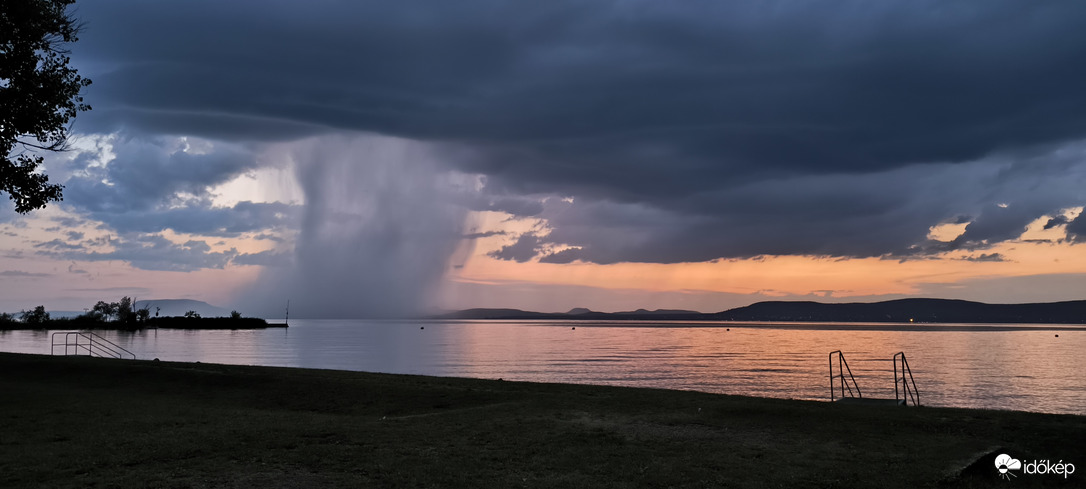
{"points": [[89, 344], [905, 391], [842, 367]]}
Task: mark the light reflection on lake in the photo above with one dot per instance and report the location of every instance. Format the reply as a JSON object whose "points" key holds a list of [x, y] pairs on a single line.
{"points": [[1022, 368]]}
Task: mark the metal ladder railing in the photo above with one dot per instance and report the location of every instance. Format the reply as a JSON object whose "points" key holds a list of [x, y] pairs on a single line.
{"points": [[89, 344], [842, 367], [905, 391]]}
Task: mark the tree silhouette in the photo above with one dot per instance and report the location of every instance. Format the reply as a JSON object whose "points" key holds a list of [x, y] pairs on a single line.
{"points": [[105, 310], [124, 310], [39, 95], [37, 316]]}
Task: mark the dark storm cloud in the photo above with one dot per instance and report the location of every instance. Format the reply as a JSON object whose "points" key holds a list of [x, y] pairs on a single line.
{"points": [[714, 87], [523, 249], [1076, 229], [1057, 221], [685, 131], [860, 215], [999, 223]]}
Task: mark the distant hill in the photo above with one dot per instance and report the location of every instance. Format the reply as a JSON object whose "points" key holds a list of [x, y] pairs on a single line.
{"points": [[483, 313], [178, 307], [912, 310], [896, 311], [575, 313]]}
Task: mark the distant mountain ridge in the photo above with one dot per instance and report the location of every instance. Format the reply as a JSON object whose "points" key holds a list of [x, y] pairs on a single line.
{"points": [[575, 313], [895, 311]]}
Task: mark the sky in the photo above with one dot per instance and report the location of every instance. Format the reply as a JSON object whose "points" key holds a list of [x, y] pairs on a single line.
{"points": [[376, 159]]}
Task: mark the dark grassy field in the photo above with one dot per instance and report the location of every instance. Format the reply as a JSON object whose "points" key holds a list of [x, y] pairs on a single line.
{"points": [[80, 422]]}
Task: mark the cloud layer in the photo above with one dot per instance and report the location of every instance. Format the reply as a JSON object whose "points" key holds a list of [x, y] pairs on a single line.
{"points": [[685, 132], [631, 131]]}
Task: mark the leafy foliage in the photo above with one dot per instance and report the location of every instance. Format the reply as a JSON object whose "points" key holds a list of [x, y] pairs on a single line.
{"points": [[39, 95], [124, 310], [36, 316], [142, 315], [104, 310]]}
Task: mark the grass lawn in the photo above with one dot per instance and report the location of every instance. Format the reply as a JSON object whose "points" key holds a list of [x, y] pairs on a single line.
{"points": [[83, 422]]}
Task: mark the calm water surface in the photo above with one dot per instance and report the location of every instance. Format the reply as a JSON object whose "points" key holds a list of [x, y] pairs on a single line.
{"points": [[1005, 367]]}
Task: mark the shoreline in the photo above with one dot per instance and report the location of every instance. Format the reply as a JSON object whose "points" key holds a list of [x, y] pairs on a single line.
{"points": [[175, 424], [80, 324]]}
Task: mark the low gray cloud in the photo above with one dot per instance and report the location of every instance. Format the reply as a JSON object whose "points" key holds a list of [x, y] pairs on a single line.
{"points": [[125, 290], [848, 215], [203, 219], [985, 257], [22, 274], [1060, 220], [148, 173], [269, 237], [57, 244], [68, 221], [523, 249], [153, 252], [269, 258], [486, 234], [157, 184]]}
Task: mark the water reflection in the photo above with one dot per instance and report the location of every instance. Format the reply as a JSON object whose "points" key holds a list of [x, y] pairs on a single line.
{"points": [[1018, 367]]}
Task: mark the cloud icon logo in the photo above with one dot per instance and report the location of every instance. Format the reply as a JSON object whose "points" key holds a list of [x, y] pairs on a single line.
{"points": [[1005, 463]]}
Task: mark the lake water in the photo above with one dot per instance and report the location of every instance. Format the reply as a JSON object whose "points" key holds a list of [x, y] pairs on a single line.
{"points": [[1019, 367]]}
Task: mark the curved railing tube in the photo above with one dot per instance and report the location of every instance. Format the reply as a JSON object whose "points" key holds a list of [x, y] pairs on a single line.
{"points": [[89, 344], [904, 388], [842, 367]]}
